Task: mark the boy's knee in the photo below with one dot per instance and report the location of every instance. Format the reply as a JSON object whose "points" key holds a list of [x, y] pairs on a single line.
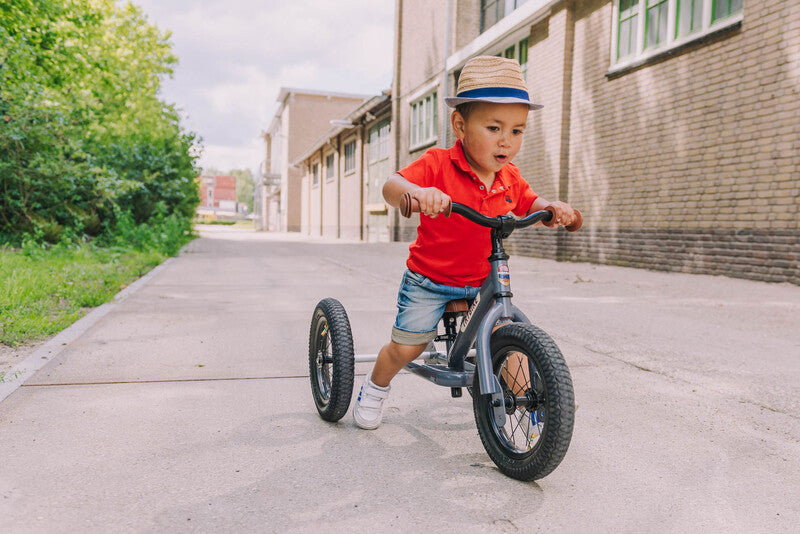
{"points": [[404, 353]]}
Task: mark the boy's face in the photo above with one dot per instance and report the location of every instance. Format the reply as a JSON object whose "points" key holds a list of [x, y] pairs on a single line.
{"points": [[491, 135]]}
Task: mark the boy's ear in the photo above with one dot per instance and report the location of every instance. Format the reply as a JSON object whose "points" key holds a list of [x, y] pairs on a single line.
{"points": [[458, 123]]}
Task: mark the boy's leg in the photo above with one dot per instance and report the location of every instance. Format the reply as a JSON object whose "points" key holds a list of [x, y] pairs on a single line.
{"points": [[391, 358], [368, 411], [420, 303]]}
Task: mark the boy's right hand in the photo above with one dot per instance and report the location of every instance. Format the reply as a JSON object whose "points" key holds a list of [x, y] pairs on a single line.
{"points": [[431, 200]]}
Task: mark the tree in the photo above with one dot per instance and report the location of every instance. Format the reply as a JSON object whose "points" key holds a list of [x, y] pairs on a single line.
{"points": [[83, 134], [244, 186]]}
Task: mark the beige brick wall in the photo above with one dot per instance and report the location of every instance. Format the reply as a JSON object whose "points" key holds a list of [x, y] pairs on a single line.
{"points": [[468, 18], [350, 190], [330, 196], [540, 156], [689, 162], [315, 197], [307, 116], [714, 130], [421, 34]]}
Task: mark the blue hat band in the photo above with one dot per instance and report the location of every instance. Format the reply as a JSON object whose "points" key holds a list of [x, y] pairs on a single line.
{"points": [[488, 92]]}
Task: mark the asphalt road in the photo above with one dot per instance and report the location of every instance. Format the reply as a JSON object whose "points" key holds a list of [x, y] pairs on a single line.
{"points": [[187, 407]]}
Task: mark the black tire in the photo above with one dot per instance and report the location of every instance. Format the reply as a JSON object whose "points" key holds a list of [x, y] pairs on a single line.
{"points": [[330, 359], [548, 396]]}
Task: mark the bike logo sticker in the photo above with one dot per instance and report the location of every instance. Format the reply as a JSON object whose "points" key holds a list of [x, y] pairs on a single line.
{"points": [[503, 276], [465, 322]]}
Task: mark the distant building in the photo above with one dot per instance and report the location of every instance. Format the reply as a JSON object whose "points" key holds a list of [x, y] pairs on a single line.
{"points": [[218, 192], [301, 117], [344, 172]]}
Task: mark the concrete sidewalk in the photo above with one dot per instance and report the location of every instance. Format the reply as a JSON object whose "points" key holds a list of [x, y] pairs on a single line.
{"points": [[187, 407]]}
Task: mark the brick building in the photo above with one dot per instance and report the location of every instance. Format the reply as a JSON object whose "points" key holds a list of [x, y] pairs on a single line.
{"points": [[301, 117], [218, 192], [674, 125], [344, 172]]}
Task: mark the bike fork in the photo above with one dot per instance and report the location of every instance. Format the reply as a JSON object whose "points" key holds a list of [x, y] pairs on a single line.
{"points": [[488, 382]]}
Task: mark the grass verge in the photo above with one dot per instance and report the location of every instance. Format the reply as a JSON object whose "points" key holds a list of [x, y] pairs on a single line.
{"points": [[44, 292]]}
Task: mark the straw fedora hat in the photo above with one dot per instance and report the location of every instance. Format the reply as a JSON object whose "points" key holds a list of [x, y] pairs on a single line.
{"points": [[491, 79]]}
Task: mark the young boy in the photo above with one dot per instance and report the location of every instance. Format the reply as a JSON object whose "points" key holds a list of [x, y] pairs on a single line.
{"points": [[448, 259]]}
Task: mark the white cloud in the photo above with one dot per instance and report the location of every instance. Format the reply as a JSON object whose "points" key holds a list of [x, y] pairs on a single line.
{"points": [[236, 54], [226, 157]]}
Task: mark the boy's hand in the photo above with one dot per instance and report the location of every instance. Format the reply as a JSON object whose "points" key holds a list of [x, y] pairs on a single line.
{"points": [[563, 214], [432, 201]]}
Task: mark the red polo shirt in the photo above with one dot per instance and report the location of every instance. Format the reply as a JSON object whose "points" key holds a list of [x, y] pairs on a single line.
{"points": [[454, 251]]}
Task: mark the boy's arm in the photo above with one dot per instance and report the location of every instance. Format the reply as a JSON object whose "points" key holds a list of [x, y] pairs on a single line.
{"points": [[563, 213], [431, 200]]}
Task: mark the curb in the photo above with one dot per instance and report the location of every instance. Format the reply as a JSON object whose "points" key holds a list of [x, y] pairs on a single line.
{"points": [[20, 373]]}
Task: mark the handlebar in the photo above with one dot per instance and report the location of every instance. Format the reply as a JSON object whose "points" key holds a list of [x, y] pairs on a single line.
{"points": [[409, 205]]}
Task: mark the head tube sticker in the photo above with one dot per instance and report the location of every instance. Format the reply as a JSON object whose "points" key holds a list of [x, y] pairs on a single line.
{"points": [[503, 276]]}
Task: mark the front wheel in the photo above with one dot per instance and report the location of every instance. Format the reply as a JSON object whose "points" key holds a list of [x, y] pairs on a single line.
{"points": [[330, 359], [539, 403]]}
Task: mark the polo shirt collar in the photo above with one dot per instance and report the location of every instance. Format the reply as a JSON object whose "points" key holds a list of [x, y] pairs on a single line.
{"points": [[459, 159]]}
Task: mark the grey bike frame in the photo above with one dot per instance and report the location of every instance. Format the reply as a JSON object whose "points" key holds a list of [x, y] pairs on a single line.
{"points": [[492, 305]]}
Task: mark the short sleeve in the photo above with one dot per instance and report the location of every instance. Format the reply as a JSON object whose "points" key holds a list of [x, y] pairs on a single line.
{"points": [[525, 197], [421, 172]]}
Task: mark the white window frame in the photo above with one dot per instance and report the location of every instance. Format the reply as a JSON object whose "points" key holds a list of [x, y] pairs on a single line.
{"points": [[330, 170], [315, 174], [424, 121], [350, 159], [640, 54], [379, 141], [508, 6]]}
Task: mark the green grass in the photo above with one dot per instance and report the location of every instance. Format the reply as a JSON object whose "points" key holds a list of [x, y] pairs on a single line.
{"points": [[246, 224], [45, 290], [221, 223]]}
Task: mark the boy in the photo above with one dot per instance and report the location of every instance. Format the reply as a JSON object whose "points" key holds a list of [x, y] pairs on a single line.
{"points": [[448, 259]]}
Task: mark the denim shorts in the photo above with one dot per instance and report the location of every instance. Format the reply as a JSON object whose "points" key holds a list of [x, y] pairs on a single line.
{"points": [[420, 305]]}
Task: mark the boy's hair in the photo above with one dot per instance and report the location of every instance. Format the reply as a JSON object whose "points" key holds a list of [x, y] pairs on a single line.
{"points": [[465, 109]]}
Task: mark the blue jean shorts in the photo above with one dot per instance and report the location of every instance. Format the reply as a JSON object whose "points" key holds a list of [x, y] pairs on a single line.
{"points": [[420, 305]]}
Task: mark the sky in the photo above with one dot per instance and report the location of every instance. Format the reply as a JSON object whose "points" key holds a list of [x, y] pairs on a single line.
{"points": [[235, 55]]}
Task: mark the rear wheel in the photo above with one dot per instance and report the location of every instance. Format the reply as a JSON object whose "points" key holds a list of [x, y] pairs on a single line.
{"points": [[538, 399], [330, 359]]}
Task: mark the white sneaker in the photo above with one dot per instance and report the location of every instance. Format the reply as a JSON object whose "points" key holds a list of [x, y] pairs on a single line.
{"points": [[368, 411]]}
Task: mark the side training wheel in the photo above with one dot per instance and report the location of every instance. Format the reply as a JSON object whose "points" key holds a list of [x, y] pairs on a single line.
{"points": [[330, 359], [539, 403]]}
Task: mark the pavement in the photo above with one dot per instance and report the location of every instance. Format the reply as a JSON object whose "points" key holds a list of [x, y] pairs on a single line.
{"points": [[186, 406]]}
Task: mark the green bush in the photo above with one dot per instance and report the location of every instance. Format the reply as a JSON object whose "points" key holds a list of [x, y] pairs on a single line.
{"points": [[164, 233], [83, 134]]}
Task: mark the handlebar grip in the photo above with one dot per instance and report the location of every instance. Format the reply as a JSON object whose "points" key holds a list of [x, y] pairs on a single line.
{"points": [[576, 223], [409, 205]]}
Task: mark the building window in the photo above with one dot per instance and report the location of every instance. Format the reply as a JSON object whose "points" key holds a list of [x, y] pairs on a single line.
{"points": [[379, 142], [494, 10], [690, 16], [628, 19], [424, 121], [329, 170], [523, 57], [518, 51], [656, 23], [315, 175], [350, 157], [725, 8], [644, 28]]}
